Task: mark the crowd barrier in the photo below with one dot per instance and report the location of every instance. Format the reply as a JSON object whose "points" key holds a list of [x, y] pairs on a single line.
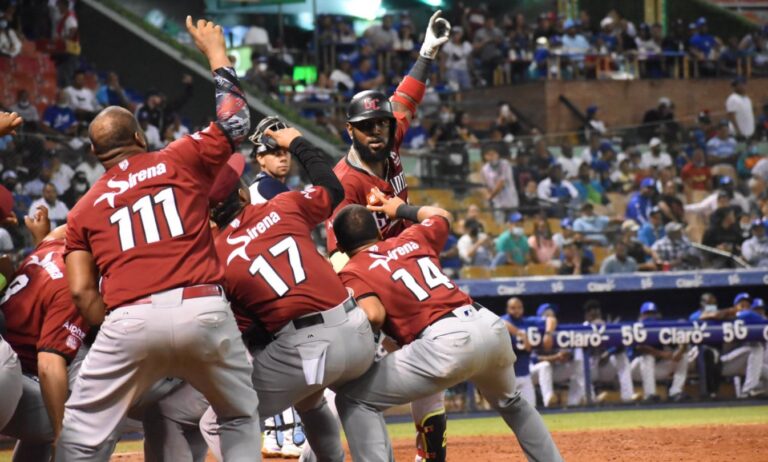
{"points": [[613, 283], [657, 333]]}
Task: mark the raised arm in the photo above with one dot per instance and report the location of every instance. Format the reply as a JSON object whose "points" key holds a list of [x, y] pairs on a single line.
{"points": [[314, 161], [232, 113], [410, 92]]}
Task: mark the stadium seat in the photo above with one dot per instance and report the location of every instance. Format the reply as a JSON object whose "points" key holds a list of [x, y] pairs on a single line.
{"points": [[554, 225], [540, 269], [508, 271], [618, 202], [600, 254], [475, 272]]}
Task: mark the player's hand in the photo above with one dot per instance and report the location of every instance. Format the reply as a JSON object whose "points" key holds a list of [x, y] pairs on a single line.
{"points": [[39, 225], [284, 137], [379, 202], [209, 39], [438, 31], [9, 122]]}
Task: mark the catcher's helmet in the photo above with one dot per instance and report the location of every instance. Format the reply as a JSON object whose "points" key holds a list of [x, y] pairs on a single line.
{"points": [[264, 144], [369, 104]]}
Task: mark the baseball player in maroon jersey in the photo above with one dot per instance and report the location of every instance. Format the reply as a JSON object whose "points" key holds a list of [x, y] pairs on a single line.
{"points": [[10, 368], [144, 228], [316, 336], [446, 338], [376, 126], [45, 329]]}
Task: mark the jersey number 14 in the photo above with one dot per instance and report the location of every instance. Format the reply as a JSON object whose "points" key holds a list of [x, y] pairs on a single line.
{"points": [[432, 274]]}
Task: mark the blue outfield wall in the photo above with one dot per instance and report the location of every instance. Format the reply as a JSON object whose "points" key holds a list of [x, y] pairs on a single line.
{"points": [[675, 293]]}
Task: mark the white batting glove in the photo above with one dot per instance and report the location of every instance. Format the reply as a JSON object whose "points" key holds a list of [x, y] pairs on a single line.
{"points": [[438, 31]]}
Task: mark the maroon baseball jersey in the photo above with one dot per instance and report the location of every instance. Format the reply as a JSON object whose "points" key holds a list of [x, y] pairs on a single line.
{"points": [[358, 183], [146, 220], [38, 308], [404, 273], [273, 270]]}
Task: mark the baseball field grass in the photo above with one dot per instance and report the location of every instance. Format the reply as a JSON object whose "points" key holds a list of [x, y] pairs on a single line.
{"points": [[564, 423]]}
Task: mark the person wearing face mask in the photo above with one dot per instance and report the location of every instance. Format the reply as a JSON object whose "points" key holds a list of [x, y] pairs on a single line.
{"points": [[512, 245], [24, 107], [591, 225], [755, 249], [499, 183], [10, 45]]}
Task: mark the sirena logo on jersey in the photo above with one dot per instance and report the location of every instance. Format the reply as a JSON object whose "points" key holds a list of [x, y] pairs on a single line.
{"points": [[393, 254], [133, 180], [250, 234], [47, 264]]}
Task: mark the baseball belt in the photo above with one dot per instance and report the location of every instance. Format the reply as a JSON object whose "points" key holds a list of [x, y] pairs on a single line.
{"points": [[199, 291], [317, 318]]}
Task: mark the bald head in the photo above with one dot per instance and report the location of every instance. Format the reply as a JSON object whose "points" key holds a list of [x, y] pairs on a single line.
{"points": [[354, 227], [114, 134]]}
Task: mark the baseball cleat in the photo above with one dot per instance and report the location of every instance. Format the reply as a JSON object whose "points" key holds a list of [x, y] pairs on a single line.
{"points": [[271, 448], [290, 450]]}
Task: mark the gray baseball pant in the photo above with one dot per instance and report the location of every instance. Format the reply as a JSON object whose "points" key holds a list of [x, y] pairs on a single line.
{"points": [[474, 346], [298, 365], [172, 427], [10, 382], [196, 340]]}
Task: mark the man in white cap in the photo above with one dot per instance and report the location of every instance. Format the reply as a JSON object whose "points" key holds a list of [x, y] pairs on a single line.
{"points": [[655, 158]]}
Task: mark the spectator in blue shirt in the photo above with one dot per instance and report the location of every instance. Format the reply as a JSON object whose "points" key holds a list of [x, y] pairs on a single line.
{"points": [[449, 257], [60, 118], [366, 77], [592, 226], [111, 93], [702, 44], [652, 230], [722, 148], [641, 202]]}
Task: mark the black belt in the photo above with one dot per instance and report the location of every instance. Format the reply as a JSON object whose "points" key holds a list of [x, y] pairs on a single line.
{"points": [[450, 314], [317, 318]]}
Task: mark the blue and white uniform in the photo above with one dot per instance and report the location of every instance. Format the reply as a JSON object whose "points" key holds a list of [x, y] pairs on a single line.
{"points": [[523, 362], [265, 187]]}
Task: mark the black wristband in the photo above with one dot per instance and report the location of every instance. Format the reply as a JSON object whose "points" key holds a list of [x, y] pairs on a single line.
{"points": [[408, 212], [420, 69]]}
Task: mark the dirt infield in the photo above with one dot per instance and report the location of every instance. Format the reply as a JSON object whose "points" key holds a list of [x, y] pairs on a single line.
{"points": [[679, 444]]}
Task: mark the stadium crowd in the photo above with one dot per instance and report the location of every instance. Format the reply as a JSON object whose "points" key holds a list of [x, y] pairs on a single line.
{"points": [[554, 204]]}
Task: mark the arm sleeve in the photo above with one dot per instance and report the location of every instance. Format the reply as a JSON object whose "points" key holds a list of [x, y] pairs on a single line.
{"points": [[730, 104], [319, 169], [63, 328], [232, 113], [432, 231], [360, 289]]}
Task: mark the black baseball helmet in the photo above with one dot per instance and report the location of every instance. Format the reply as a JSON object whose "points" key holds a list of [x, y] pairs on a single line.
{"points": [[369, 104], [263, 144]]}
